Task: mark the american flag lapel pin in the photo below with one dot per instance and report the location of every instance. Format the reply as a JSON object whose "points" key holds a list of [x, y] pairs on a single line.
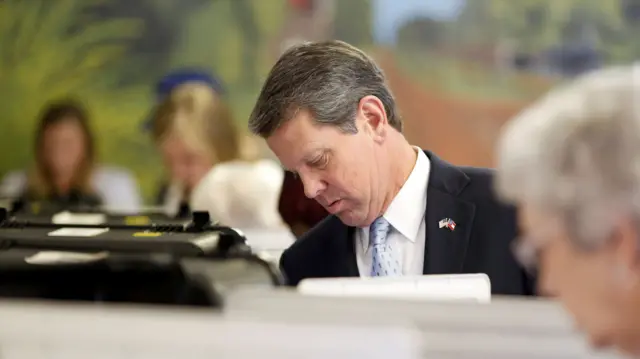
{"points": [[448, 223]]}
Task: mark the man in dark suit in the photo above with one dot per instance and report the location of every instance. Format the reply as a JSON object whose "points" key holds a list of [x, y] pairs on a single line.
{"points": [[327, 113]]}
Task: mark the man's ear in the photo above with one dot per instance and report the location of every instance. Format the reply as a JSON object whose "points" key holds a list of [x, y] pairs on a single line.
{"points": [[371, 111]]}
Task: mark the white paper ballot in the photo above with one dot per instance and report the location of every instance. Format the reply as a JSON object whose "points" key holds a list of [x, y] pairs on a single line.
{"points": [[78, 232], [78, 218], [269, 239], [54, 257], [473, 287]]}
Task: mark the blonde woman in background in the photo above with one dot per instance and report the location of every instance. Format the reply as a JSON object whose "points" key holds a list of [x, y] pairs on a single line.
{"points": [[211, 165]]}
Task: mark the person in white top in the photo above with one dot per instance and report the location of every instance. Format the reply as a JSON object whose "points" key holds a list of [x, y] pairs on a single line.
{"points": [[327, 113], [572, 162], [241, 194]]}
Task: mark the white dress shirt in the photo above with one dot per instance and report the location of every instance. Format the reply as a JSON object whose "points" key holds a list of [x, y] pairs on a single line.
{"points": [[406, 216]]}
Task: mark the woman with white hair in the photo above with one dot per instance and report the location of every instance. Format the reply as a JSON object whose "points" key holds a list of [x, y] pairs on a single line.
{"points": [[571, 162]]}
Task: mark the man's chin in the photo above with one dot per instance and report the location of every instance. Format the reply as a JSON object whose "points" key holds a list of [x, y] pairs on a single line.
{"points": [[349, 219], [632, 350], [345, 217]]}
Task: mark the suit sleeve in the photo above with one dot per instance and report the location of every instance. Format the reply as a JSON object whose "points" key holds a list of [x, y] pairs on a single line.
{"points": [[531, 284], [285, 269]]}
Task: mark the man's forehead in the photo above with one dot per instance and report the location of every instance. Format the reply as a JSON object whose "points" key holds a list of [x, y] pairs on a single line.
{"points": [[295, 155], [299, 133], [300, 124]]}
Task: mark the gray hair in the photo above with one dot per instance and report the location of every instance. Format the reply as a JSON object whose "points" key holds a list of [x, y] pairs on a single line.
{"points": [[576, 153], [328, 79]]}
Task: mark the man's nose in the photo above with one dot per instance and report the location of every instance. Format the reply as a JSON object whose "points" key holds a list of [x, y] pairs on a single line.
{"points": [[313, 186]]}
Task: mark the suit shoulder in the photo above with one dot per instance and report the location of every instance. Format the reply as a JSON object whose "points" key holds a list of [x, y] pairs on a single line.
{"points": [[479, 174], [491, 215], [315, 239], [310, 254], [481, 185]]}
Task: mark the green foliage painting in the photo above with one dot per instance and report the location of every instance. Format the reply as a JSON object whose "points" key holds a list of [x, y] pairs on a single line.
{"points": [[48, 54], [539, 24], [90, 50]]}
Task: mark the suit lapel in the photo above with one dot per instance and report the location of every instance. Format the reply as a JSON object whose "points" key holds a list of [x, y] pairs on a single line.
{"points": [[350, 262], [344, 261], [445, 249]]}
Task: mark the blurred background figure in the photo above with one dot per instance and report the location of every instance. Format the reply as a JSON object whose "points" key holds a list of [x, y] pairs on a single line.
{"points": [[65, 173], [211, 165], [572, 163], [242, 194], [299, 212], [193, 129]]}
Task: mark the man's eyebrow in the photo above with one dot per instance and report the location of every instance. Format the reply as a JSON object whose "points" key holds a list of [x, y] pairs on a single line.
{"points": [[313, 155]]}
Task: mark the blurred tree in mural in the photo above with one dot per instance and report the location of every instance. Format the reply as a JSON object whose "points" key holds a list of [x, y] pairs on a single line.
{"points": [[231, 40], [51, 50], [352, 22], [244, 13], [539, 25], [163, 23], [517, 49], [421, 34], [624, 45]]}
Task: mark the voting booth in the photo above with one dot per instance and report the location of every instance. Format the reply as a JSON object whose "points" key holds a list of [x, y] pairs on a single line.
{"points": [[31, 331], [293, 325], [44, 212], [270, 242], [182, 265], [190, 264]]}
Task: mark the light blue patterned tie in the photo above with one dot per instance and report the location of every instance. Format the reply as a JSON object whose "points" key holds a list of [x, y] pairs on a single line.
{"points": [[385, 262]]}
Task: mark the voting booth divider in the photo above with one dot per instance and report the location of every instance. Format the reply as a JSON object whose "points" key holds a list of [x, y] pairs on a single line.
{"points": [[288, 324], [35, 331], [462, 327]]}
